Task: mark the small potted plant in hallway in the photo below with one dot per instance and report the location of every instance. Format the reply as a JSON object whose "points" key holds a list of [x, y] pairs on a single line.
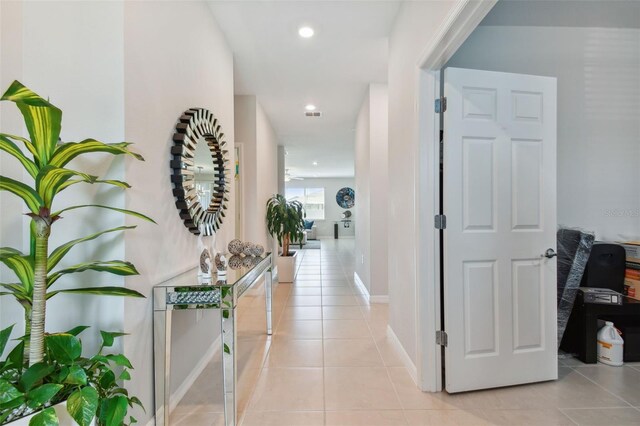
{"points": [[285, 221]]}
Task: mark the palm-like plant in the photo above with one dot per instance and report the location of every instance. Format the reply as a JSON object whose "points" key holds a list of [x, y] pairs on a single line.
{"points": [[285, 221], [46, 165]]}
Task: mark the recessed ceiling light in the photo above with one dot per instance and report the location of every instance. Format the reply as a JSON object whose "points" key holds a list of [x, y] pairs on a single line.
{"points": [[315, 163], [306, 32], [310, 107]]}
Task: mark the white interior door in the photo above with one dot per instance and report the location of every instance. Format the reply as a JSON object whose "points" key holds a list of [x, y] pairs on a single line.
{"points": [[499, 187]]}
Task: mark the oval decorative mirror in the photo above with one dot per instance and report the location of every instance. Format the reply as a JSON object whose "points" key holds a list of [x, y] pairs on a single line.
{"points": [[346, 198], [200, 171]]}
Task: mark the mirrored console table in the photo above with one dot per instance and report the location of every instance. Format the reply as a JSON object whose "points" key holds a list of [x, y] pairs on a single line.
{"points": [[189, 291]]}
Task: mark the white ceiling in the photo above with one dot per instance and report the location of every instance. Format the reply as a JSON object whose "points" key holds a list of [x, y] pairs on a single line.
{"points": [[566, 13], [331, 70]]}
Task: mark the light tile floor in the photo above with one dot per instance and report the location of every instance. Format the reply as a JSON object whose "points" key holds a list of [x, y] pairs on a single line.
{"points": [[329, 363]]}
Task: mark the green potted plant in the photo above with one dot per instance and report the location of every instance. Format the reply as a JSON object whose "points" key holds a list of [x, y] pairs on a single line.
{"points": [[46, 369], [285, 221]]}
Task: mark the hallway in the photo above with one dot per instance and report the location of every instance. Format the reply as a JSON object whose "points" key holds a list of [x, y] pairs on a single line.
{"points": [[330, 362]]}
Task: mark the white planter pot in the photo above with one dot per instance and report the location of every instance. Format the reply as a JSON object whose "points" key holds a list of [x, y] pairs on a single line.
{"points": [[63, 416], [287, 267]]}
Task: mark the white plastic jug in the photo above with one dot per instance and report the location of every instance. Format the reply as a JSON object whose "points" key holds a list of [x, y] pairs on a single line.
{"points": [[610, 345]]}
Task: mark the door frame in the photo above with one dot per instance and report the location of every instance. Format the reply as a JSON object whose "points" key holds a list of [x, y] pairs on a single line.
{"points": [[463, 19]]}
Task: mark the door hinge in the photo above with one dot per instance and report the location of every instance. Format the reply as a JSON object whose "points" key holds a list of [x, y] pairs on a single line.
{"points": [[440, 221], [441, 105], [441, 338]]}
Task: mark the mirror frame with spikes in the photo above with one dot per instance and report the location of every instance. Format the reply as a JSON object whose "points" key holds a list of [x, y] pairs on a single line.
{"points": [[199, 124]]}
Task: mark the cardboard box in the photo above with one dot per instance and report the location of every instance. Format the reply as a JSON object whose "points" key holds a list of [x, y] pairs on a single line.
{"points": [[632, 288], [632, 249], [633, 274]]}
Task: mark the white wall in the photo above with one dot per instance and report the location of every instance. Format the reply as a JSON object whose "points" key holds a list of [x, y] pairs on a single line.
{"points": [[332, 211], [372, 187], [416, 25], [598, 72], [362, 168], [259, 169], [11, 225], [175, 58], [281, 170], [79, 67], [267, 169], [120, 71], [245, 133]]}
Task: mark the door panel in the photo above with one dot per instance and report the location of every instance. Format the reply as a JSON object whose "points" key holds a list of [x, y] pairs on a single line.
{"points": [[480, 308], [478, 192], [528, 301], [500, 201], [526, 178]]}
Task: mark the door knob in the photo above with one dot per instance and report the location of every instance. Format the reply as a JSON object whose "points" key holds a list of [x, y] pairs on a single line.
{"points": [[550, 253]]}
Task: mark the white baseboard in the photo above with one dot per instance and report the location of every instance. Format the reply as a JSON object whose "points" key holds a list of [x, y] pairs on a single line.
{"points": [[182, 390], [361, 286], [372, 299], [404, 356], [379, 299]]}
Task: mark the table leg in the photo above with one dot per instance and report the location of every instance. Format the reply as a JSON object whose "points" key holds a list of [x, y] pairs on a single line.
{"points": [[590, 339], [268, 290], [229, 364], [162, 368]]}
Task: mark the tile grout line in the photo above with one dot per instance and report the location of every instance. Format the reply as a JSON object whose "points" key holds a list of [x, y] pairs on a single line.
{"points": [[324, 387], [605, 389], [386, 368], [568, 417], [275, 325]]}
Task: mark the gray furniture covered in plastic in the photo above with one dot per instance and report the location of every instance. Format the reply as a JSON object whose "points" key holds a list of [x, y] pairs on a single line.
{"points": [[574, 248]]}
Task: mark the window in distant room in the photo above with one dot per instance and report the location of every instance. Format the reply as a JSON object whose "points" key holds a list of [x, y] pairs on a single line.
{"points": [[311, 198]]}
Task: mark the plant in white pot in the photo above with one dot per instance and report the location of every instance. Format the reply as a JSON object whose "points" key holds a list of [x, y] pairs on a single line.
{"points": [[45, 369], [285, 221]]}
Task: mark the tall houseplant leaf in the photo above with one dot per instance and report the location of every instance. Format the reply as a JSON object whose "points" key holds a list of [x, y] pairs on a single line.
{"points": [[20, 264], [11, 148], [29, 195], [116, 267], [98, 206], [57, 254], [100, 291], [43, 122], [68, 151], [42, 119]]}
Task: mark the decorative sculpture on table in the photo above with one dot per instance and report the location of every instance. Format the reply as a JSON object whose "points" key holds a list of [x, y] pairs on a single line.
{"points": [[247, 262], [199, 145], [258, 250], [235, 247], [235, 261], [244, 254], [248, 248], [205, 262], [205, 259], [346, 198], [221, 263]]}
